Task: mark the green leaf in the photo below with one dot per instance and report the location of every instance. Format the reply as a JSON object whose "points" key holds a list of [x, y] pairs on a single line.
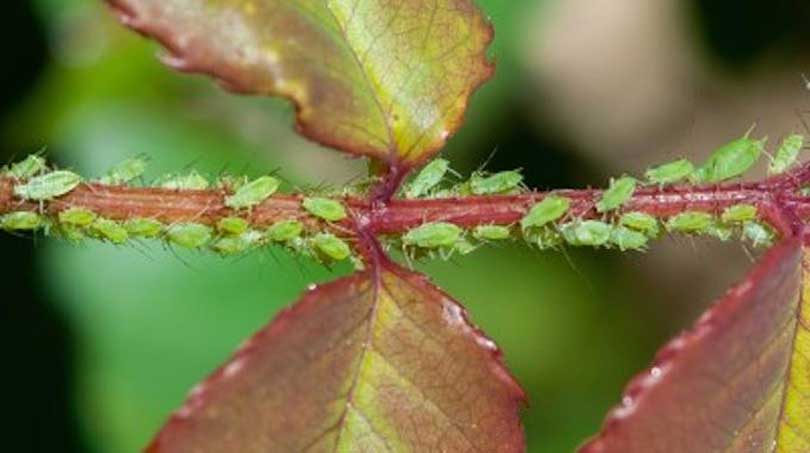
{"points": [[379, 361], [739, 381], [382, 79]]}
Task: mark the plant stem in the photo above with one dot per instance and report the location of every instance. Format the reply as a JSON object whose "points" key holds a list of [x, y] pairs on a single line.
{"points": [[777, 199]]}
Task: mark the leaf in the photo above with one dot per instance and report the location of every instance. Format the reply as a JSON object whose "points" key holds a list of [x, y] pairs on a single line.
{"points": [[739, 381], [379, 361], [385, 79]]}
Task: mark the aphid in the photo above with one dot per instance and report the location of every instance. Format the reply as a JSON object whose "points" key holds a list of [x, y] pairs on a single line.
{"points": [[234, 245], [758, 234], [125, 171], [433, 235], [626, 239], [189, 235], [642, 222], [331, 246], [546, 238], [690, 222], [617, 194], [253, 193], [739, 213], [143, 227], [501, 182], [285, 230], [191, 181], [722, 232], [77, 217], [233, 225], [72, 233], [550, 209], [28, 167], [48, 186], [464, 247], [109, 230], [730, 160], [431, 175], [329, 210], [232, 183], [21, 221], [670, 173], [787, 154], [587, 233], [491, 232]]}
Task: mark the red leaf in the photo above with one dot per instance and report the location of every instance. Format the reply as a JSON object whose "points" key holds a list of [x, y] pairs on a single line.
{"points": [[379, 361], [739, 381], [385, 79]]}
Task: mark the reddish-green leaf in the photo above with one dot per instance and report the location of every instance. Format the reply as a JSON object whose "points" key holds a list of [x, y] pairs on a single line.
{"points": [[380, 361], [387, 79], [739, 381]]}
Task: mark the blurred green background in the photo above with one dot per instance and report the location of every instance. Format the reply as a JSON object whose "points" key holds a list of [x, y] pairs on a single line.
{"points": [[102, 343]]}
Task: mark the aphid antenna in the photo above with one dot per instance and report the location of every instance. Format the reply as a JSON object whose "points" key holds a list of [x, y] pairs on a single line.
{"points": [[800, 115], [751, 129], [577, 270], [488, 159], [141, 248], [192, 164], [223, 170], [748, 252]]}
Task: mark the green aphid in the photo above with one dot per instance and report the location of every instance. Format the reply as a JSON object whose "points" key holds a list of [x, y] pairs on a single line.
{"points": [[143, 228], [191, 181], [48, 186], [189, 235], [72, 233], [546, 238], [642, 222], [433, 235], [28, 167], [787, 154], [626, 239], [492, 232], [670, 173], [232, 183], [233, 226], [617, 194], [464, 247], [21, 221], [125, 172], [77, 217], [109, 230], [331, 246], [253, 193], [235, 245], [550, 209], [502, 182], [758, 234], [730, 160], [588, 233], [690, 222], [325, 208], [739, 213], [721, 232], [285, 230], [430, 176]]}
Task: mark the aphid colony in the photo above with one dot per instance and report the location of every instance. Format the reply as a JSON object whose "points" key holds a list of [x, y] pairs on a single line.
{"points": [[230, 236], [549, 224], [727, 162]]}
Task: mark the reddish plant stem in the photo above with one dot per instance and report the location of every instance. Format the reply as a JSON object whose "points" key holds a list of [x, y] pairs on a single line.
{"points": [[776, 199]]}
